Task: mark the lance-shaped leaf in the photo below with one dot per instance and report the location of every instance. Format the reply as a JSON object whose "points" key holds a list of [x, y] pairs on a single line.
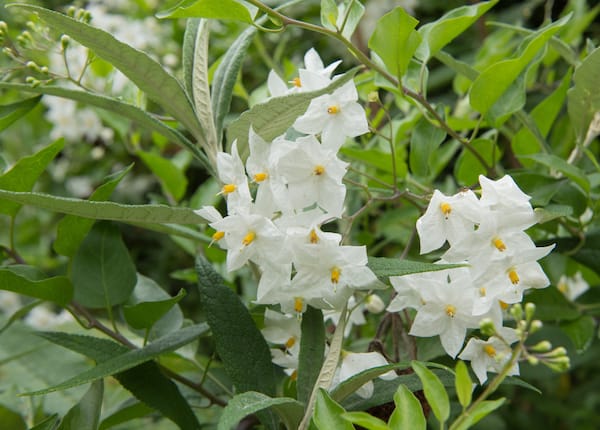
{"points": [[408, 413], [463, 384], [240, 345], [241, 405], [158, 214], [441, 32], [492, 82], [47, 424], [85, 415], [126, 110], [12, 112], [273, 117], [434, 390], [395, 40], [225, 77], [58, 289], [556, 163], [71, 230], [312, 352], [103, 273], [328, 413], [25, 173], [481, 410], [584, 97], [384, 267], [129, 411], [143, 71], [222, 9]]}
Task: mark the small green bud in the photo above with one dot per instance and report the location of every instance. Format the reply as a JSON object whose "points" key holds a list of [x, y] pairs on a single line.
{"points": [[557, 352], [32, 66], [64, 41], [44, 70], [32, 81], [31, 25], [71, 11], [529, 311], [373, 97], [543, 346], [560, 364], [3, 27], [535, 326], [487, 327], [87, 17], [516, 311], [522, 326], [7, 51], [533, 360]]}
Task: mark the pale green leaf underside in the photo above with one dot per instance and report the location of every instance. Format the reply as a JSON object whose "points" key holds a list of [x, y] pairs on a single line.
{"points": [[250, 402], [384, 267], [222, 9]]}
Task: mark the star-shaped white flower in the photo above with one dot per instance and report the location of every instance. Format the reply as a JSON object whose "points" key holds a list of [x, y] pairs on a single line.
{"points": [[353, 363], [235, 183]]}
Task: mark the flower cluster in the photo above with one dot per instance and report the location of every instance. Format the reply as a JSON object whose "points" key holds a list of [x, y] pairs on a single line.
{"points": [[486, 235]]}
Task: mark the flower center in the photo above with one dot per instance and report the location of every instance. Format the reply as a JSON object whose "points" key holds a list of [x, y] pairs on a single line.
{"points": [[290, 342], [499, 244], [450, 311], [228, 188], [335, 274], [261, 176], [249, 238], [512, 275], [333, 109], [314, 238], [298, 304], [503, 305], [218, 235], [446, 209], [319, 169], [297, 82], [482, 292], [563, 287], [490, 350]]}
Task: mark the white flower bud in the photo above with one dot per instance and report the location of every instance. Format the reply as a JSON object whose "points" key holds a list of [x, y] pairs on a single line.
{"points": [[374, 304]]}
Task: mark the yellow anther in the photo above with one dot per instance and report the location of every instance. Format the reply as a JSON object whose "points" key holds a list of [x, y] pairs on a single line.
{"points": [[563, 287], [314, 238], [298, 304], [499, 244], [450, 311], [446, 209], [490, 350], [261, 176], [482, 292], [290, 342], [297, 82], [249, 238], [294, 375], [512, 275], [503, 305], [218, 235], [319, 169], [333, 109], [335, 274], [228, 188]]}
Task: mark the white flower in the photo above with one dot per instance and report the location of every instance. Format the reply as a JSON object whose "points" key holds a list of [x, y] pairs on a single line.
{"points": [[572, 287], [356, 316], [504, 196], [353, 363], [233, 176], [488, 356], [282, 329], [9, 302], [336, 116]]}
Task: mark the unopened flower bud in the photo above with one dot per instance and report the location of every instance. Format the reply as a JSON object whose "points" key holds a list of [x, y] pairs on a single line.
{"points": [[543, 346], [373, 97], [517, 311], [487, 327], [31, 25], [64, 41], [32, 81], [560, 364], [44, 70], [535, 326], [87, 17], [71, 11], [529, 311], [374, 304], [3, 27], [32, 66], [533, 360], [557, 352]]}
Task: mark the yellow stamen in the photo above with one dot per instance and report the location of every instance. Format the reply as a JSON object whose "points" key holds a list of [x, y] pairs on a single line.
{"points": [[249, 238], [450, 311], [297, 82], [314, 238], [228, 188], [319, 169], [218, 235], [290, 342], [335, 274], [563, 287], [490, 350], [333, 109], [499, 244], [259, 177], [482, 292], [512, 275], [294, 375], [503, 305], [298, 304], [446, 209]]}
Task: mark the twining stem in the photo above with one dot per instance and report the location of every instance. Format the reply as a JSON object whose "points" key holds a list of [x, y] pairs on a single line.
{"points": [[364, 59]]}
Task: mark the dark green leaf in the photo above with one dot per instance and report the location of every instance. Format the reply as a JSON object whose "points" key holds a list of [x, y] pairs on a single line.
{"points": [[424, 140], [328, 413], [172, 180], [468, 168], [58, 289], [146, 311], [86, 414], [384, 267], [434, 390], [223, 9], [48, 424], [25, 173], [71, 230], [408, 413], [12, 112], [312, 352], [584, 97], [250, 402], [551, 305], [581, 331], [572, 172], [11, 420], [106, 210], [103, 273], [127, 413]]}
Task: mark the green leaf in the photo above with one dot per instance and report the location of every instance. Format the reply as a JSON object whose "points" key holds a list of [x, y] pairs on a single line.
{"points": [[395, 40], [113, 358], [384, 267], [223, 9], [312, 352], [581, 331], [481, 410], [103, 273], [48, 424], [240, 345], [225, 77], [583, 98], [172, 179], [463, 384], [468, 168], [329, 14], [12, 112], [441, 32], [350, 385], [424, 140], [127, 413], [58, 289], [146, 310], [273, 117], [250, 402], [86, 414], [551, 305], [365, 420], [25, 173], [408, 413], [328, 413], [11, 420], [434, 390], [353, 16], [556, 163], [71, 230], [123, 109], [492, 82], [143, 71], [106, 210]]}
